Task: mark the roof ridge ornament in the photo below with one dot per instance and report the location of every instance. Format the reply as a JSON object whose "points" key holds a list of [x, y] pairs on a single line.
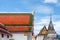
{"points": [[50, 17], [33, 11]]}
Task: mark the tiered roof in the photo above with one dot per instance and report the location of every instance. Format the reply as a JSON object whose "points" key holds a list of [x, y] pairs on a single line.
{"points": [[17, 21], [18, 28], [3, 29]]}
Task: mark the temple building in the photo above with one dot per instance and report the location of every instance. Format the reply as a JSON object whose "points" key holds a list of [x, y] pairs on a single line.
{"points": [[42, 34], [4, 33], [47, 34], [51, 34], [19, 24]]}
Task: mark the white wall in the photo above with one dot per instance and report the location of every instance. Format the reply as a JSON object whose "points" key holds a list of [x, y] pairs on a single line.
{"points": [[33, 38], [40, 37], [4, 38], [0, 37], [52, 35], [19, 36]]}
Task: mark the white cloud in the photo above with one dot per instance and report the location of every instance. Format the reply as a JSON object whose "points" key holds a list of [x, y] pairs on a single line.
{"points": [[45, 21], [44, 9], [37, 29], [57, 26], [39, 25], [56, 2], [50, 1]]}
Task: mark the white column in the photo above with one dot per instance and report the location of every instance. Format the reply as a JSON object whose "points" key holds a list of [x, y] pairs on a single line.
{"points": [[0, 37], [29, 36]]}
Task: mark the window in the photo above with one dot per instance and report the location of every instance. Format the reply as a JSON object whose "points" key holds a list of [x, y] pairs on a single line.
{"points": [[7, 36], [2, 35]]}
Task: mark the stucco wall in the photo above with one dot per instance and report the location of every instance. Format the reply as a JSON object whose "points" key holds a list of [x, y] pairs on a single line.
{"points": [[4, 38], [19, 36], [40, 37], [33, 38]]}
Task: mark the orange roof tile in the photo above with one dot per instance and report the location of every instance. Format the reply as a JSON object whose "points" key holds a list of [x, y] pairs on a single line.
{"points": [[17, 28], [14, 19]]}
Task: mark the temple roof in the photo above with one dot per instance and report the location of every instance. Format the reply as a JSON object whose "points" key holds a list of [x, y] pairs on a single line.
{"points": [[16, 19], [51, 27], [3, 26], [3, 29], [43, 31], [18, 28]]}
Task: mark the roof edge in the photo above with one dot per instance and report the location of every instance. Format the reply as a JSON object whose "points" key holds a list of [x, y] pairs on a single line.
{"points": [[15, 12], [1, 13]]}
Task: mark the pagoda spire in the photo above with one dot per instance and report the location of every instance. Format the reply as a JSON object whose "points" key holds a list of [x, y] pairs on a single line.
{"points": [[50, 17], [50, 27]]}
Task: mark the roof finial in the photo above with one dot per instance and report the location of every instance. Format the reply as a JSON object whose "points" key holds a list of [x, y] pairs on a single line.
{"points": [[50, 17], [33, 12]]}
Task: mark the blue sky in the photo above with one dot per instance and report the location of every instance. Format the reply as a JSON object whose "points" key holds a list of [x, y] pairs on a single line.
{"points": [[43, 8]]}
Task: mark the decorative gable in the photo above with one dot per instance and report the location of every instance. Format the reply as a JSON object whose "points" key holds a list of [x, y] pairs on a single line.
{"points": [[43, 31]]}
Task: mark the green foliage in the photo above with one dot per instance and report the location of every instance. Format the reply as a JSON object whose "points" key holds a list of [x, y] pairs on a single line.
{"points": [[11, 39], [59, 39]]}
